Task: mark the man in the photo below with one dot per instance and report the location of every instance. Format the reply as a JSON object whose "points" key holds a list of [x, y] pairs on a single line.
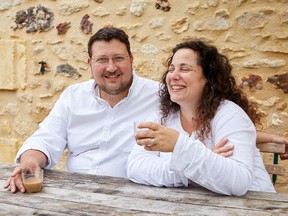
{"points": [[94, 119]]}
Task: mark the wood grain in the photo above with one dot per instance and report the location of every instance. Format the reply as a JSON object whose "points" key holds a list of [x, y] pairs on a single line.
{"points": [[82, 194]]}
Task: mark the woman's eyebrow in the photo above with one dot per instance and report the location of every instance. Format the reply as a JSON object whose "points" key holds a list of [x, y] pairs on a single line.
{"points": [[184, 65]]}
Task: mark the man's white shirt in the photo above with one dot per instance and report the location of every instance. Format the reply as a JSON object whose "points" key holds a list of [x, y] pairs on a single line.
{"points": [[99, 138]]}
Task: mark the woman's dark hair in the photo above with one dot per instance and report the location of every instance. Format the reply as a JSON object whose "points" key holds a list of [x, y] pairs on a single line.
{"points": [[220, 85], [107, 34]]}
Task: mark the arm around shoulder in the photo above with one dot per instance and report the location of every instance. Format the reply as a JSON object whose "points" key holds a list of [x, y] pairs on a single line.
{"points": [[266, 137]]}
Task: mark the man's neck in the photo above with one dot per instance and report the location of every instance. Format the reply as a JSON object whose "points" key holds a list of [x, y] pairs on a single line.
{"points": [[112, 100]]}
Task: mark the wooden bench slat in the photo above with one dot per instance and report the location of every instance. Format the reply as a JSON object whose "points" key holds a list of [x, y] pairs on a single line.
{"points": [[274, 169], [271, 147]]}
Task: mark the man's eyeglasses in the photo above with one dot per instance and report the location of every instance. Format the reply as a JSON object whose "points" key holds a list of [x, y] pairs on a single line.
{"points": [[105, 59]]}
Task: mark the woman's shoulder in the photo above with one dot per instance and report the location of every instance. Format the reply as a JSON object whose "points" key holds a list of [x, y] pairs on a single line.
{"points": [[229, 108], [227, 105]]}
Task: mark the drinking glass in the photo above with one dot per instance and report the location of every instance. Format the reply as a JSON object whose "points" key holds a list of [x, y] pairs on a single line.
{"points": [[33, 181]]}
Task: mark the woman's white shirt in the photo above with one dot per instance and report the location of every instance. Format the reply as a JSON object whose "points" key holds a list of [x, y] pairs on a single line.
{"points": [[194, 162]]}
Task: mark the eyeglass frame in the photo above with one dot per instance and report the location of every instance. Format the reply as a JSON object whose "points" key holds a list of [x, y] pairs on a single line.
{"points": [[104, 60]]}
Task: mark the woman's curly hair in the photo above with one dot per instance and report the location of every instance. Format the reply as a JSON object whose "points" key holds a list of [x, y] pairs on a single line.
{"points": [[221, 85]]}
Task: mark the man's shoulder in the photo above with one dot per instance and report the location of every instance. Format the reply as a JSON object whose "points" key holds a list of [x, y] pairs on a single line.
{"points": [[84, 84], [147, 82]]}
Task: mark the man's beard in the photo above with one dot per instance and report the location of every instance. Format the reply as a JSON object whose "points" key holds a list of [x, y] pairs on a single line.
{"points": [[123, 87], [117, 91]]}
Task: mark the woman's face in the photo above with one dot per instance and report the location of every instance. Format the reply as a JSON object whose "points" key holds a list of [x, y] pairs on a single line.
{"points": [[185, 79]]}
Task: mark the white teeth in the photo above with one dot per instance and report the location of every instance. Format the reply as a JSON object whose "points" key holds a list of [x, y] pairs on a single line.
{"points": [[174, 87], [111, 76]]}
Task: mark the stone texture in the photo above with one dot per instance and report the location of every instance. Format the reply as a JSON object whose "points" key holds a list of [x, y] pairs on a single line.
{"points": [[7, 72], [68, 71], [163, 5], [86, 25], [258, 63], [5, 5], [8, 149], [180, 25], [149, 49], [139, 37], [100, 12], [137, 7], [268, 102], [121, 11], [68, 7], [157, 22], [12, 64], [10, 109], [62, 28], [255, 18], [25, 97], [35, 19], [212, 24], [280, 81], [252, 81], [274, 45], [163, 36], [62, 51]]}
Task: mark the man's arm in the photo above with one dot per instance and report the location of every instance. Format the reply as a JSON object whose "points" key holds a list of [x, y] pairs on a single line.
{"points": [[30, 160], [265, 137]]}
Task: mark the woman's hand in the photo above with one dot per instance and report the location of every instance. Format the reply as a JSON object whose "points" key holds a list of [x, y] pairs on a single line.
{"points": [[156, 137], [222, 149]]}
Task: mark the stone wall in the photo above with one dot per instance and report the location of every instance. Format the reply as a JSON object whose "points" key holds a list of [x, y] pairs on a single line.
{"points": [[43, 50]]}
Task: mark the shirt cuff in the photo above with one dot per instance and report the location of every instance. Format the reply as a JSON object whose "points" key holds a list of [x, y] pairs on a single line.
{"points": [[26, 148], [183, 153]]}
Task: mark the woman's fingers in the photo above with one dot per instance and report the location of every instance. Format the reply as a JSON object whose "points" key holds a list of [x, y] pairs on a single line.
{"points": [[226, 154], [146, 142], [221, 149], [221, 143]]}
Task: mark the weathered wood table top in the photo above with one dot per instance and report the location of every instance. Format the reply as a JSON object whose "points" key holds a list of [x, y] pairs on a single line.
{"points": [[80, 194]]}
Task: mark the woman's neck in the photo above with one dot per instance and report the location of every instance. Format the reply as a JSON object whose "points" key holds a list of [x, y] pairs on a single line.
{"points": [[188, 120]]}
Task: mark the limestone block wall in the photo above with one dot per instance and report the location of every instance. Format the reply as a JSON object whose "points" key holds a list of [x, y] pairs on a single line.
{"points": [[44, 49]]}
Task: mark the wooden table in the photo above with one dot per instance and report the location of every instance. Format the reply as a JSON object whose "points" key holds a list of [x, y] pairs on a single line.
{"points": [[78, 194]]}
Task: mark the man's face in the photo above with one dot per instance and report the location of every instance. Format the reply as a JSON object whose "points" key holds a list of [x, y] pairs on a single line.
{"points": [[111, 67]]}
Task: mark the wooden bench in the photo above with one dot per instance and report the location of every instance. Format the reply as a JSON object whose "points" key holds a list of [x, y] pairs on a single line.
{"points": [[273, 168]]}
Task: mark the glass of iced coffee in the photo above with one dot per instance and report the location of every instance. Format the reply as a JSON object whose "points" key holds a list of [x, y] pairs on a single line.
{"points": [[33, 181]]}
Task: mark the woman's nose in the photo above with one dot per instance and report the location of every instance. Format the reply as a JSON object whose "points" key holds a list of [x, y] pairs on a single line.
{"points": [[175, 74]]}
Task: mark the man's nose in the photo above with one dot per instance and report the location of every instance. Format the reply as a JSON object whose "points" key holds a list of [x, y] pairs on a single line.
{"points": [[111, 66]]}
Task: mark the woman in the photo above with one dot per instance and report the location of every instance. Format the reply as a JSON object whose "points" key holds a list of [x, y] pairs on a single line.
{"points": [[200, 105]]}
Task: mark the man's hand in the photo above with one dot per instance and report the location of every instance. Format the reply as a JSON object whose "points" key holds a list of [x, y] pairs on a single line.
{"points": [[15, 181], [279, 139], [31, 160], [265, 137]]}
